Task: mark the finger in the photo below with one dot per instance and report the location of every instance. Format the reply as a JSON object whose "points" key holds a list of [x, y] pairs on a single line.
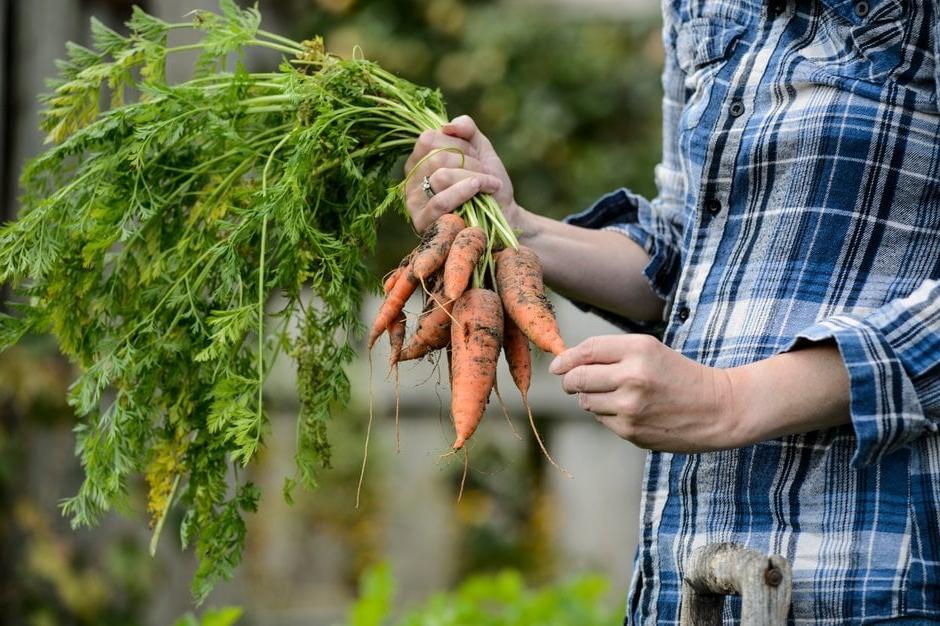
{"points": [[600, 404], [431, 140], [438, 161], [617, 426], [600, 349], [418, 203], [446, 177], [465, 128], [591, 379], [451, 198]]}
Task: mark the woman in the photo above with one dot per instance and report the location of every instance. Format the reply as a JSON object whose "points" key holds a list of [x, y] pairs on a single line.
{"points": [[793, 252]]}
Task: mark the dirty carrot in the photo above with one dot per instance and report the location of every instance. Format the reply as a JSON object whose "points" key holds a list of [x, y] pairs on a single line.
{"points": [[476, 337], [519, 359], [393, 305], [433, 330], [396, 339], [465, 253], [435, 244], [391, 279], [519, 280]]}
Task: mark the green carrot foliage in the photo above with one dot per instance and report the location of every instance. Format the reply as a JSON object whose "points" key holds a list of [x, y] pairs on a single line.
{"points": [[157, 231]]}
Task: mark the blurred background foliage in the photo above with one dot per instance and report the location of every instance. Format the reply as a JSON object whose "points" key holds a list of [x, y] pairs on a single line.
{"points": [[501, 599], [571, 102]]}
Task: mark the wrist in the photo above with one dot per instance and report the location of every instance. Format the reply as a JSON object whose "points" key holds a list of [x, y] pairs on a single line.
{"points": [[523, 222], [743, 421]]}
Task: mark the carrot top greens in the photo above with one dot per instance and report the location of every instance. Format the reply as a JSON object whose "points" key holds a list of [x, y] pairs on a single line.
{"points": [[156, 230]]}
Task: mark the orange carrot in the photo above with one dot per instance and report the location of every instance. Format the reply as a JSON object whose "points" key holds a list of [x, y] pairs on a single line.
{"points": [[516, 350], [396, 339], [391, 279], [433, 331], [476, 337], [396, 329], [393, 305], [519, 279], [435, 244], [464, 255]]}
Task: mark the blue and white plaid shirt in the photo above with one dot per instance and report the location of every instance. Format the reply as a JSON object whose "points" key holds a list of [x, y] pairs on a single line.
{"points": [[799, 200]]}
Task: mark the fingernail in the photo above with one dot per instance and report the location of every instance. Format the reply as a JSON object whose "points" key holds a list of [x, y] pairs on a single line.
{"points": [[555, 365]]}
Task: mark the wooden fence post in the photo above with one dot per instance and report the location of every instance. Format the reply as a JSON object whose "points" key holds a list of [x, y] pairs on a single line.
{"points": [[716, 570]]}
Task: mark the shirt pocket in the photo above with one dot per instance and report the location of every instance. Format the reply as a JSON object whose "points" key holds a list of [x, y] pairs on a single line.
{"points": [[703, 46], [868, 47]]}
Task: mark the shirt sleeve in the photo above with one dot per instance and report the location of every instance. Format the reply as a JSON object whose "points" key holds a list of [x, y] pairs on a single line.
{"points": [[655, 225], [892, 356]]}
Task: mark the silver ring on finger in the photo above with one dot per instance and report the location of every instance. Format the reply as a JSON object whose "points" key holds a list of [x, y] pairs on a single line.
{"points": [[426, 186]]}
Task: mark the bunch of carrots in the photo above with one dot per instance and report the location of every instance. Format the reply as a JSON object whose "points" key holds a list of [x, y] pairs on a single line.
{"points": [[479, 300]]}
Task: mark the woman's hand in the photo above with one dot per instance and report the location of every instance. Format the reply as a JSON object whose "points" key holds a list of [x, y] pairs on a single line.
{"points": [[467, 165], [650, 394], [659, 399]]}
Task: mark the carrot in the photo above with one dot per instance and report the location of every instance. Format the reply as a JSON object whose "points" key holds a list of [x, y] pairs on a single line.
{"points": [[464, 255], [391, 279], [476, 337], [433, 331], [435, 244], [393, 305], [519, 280], [396, 339], [519, 359]]}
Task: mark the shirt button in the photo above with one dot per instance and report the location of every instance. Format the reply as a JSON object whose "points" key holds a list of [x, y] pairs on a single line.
{"points": [[861, 8], [713, 206], [736, 109], [683, 313]]}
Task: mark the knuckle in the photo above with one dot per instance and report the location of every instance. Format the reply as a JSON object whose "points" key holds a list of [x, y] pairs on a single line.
{"points": [[574, 380], [626, 429], [584, 401], [642, 344], [635, 374], [425, 141], [434, 206], [590, 348], [567, 383], [439, 160], [580, 378], [631, 405], [439, 180]]}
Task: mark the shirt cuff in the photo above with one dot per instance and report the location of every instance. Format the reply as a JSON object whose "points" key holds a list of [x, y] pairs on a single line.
{"points": [[886, 413], [623, 211]]}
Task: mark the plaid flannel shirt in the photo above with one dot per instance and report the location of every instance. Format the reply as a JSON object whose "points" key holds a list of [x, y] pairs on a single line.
{"points": [[799, 200]]}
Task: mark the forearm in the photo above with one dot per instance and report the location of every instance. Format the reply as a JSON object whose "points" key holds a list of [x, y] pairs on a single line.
{"points": [[794, 392], [598, 267]]}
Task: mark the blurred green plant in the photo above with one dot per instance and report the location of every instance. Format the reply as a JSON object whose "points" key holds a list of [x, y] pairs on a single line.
{"points": [[502, 599], [213, 617]]}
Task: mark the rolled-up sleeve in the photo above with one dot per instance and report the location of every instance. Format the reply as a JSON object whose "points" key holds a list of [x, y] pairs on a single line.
{"points": [[892, 356], [656, 225]]}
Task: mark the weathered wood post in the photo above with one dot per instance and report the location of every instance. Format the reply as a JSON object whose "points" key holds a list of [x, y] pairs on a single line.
{"points": [[717, 570]]}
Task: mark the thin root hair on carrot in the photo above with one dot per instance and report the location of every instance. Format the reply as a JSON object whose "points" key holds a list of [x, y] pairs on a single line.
{"points": [[538, 438], [502, 405], [397, 412], [365, 452], [463, 479]]}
